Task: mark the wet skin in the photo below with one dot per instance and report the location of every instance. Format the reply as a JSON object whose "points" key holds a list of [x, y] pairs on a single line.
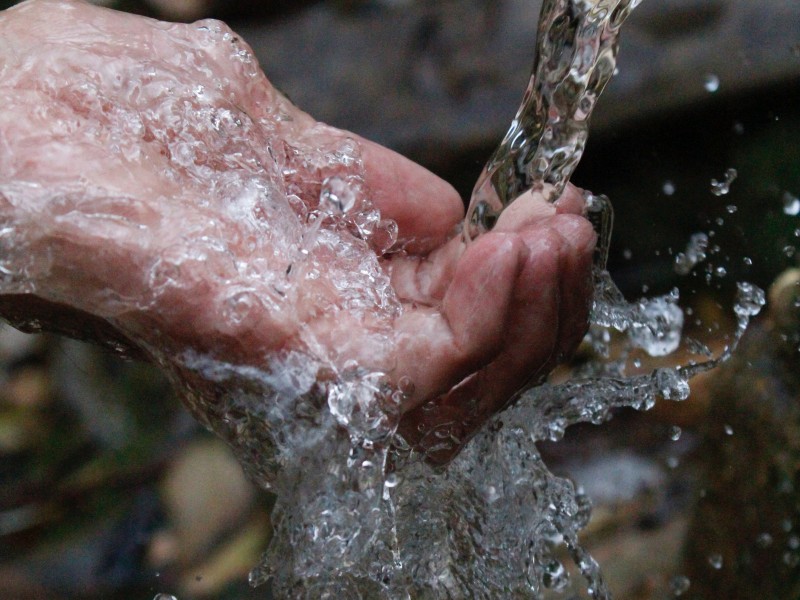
{"points": [[478, 322]]}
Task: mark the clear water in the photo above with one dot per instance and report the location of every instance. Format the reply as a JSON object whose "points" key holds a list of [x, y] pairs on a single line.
{"points": [[358, 512], [576, 55]]}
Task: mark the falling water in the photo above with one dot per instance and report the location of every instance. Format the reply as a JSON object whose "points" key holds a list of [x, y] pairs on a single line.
{"points": [[576, 55]]}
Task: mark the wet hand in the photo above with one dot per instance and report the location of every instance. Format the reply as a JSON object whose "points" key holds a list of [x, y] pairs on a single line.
{"points": [[157, 190]]}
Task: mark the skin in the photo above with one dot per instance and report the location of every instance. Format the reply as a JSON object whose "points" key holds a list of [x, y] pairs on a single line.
{"points": [[477, 322]]}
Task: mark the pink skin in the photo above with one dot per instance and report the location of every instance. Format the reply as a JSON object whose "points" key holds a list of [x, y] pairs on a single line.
{"points": [[478, 321]]}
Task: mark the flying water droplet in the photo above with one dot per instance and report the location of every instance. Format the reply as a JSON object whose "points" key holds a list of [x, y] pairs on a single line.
{"points": [[721, 188], [675, 433], [750, 299], [679, 585], [711, 83], [791, 204], [694, 253]]}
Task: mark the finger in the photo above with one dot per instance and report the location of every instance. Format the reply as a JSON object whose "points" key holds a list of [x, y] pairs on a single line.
{"points": [[571, 201], [532, 207], [438, 348], [576, 281], [547, 318], [425, 207]]}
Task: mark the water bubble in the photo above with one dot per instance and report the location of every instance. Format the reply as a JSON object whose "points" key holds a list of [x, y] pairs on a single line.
{"points": [[337, 196], [668, 188], [715, 560], [679, 585], [555, 576], [711, 83], [721, 188], [791, 204]]}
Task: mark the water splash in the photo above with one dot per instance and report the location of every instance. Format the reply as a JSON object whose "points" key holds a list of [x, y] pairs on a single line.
{"points": [[576, 54], [358, 512]]}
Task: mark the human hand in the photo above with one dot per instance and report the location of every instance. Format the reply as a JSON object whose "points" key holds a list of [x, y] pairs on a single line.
{"points": [[157, 191]]}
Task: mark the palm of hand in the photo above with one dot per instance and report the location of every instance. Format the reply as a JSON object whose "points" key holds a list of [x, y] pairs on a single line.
{"points": [[150, 176]]}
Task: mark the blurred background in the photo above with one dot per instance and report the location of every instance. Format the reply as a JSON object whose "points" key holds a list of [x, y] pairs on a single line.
{"points": [[108, 489]]}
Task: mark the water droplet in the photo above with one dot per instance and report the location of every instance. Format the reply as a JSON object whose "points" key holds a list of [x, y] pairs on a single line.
{"points": [[668, 188], [694, 253], [679, 585], [715, 560], [720, 271], [164, 597], [673, 462], [675, 433], [627, 254], [711, 83], [750, 299], [555, 576], [791, 204], [764, 540], [721, 188], [728, 429], [738, 128], [731, 208], [747, 261], [789, 251]]}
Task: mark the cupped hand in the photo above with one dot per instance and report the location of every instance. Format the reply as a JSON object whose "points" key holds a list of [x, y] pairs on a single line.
{"points": [[157, 190]]}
